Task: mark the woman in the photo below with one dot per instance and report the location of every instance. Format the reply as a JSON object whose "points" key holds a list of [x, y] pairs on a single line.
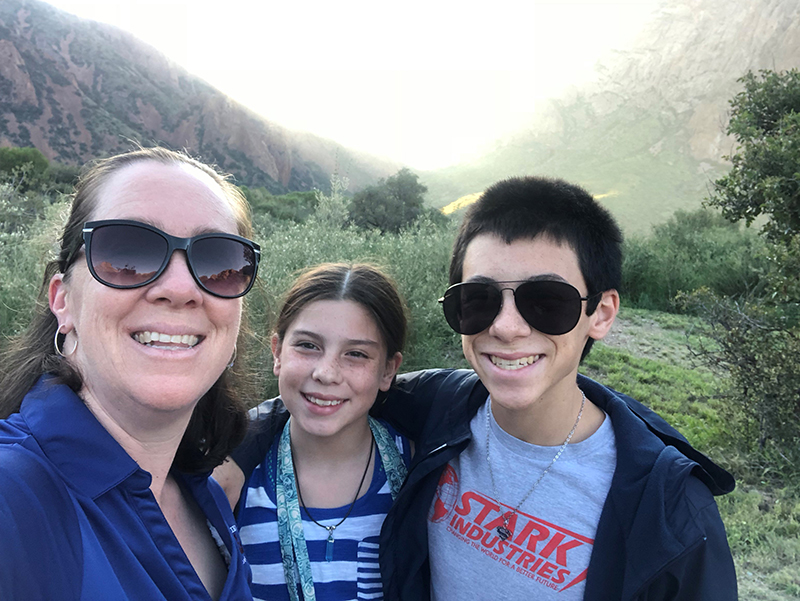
{"points": [[116, 400], [312, 510]]}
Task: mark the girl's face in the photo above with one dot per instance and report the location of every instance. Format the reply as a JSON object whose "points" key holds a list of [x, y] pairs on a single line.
{"points": [[330, 366]]}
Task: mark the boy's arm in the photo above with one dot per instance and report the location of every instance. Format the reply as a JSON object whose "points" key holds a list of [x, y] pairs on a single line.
{"points": [[266, 420], [706, 572], [408, 403]]}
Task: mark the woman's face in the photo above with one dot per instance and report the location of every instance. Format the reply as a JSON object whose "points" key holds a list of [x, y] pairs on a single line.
{"points": [[330, 365], [125, 376]]}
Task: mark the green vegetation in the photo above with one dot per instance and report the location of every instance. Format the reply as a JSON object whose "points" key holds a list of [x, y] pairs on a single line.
{"points": [[692, 250], [756, 339], [392, 204]]}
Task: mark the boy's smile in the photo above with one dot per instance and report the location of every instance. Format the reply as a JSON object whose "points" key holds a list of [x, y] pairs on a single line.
{"points": [[530, 375]]}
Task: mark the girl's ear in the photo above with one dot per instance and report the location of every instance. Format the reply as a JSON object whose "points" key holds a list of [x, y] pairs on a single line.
{"points": [[603, 317], [390, 371], [275, 344]]}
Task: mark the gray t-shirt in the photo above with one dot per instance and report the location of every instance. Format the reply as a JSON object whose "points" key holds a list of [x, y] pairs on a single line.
{"points": [[552, 535]]}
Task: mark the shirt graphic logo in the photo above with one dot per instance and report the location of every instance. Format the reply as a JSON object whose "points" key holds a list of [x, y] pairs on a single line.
{"points": [[446, 495], [549, 555]]}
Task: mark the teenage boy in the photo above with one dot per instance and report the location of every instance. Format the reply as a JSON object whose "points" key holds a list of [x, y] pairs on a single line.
{"points": [[529, 480]]}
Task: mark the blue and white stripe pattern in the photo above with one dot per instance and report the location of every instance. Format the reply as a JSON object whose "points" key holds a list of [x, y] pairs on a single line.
{"points": [[354, 572]]}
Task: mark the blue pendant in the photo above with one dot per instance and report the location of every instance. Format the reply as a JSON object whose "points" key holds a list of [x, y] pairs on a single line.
{"points": [[329, 548]]}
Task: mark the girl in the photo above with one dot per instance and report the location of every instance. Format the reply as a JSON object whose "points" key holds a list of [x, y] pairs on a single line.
{"points": [[312, 510]]}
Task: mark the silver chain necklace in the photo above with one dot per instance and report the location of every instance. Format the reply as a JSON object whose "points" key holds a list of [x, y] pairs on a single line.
{"points": [[502, 531]]}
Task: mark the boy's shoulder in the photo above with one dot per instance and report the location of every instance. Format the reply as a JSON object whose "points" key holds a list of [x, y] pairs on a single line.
{"points": [[424, 400], [640, 430]]}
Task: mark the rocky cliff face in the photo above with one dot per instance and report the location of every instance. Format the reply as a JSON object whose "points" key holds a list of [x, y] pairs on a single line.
{"points": [[649, 135], [77, 90], [687, 61]]}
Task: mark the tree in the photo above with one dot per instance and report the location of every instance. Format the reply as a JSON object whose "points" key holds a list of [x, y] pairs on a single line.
{"points": [[391, 205], [23, 168], [13, 158], [332, 208], [758, 339], [765, 177]]}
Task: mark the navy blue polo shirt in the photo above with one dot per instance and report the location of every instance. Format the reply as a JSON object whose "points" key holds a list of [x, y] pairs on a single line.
{"points": [[78, 520]]}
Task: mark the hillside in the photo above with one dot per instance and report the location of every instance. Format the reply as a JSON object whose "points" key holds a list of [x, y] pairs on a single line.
{"points": [[77, 89], [648, 136]]}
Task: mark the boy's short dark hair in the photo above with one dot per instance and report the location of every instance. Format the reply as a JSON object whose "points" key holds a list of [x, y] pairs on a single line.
{"points": [[529, 207]]}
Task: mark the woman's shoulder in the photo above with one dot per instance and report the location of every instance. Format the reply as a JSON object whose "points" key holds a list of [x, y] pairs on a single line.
{"points": [[39, 529], [23, 472]]}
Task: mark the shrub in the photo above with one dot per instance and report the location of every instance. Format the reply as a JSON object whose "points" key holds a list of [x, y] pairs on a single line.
{"points": [[690, 251], [755, 346]]}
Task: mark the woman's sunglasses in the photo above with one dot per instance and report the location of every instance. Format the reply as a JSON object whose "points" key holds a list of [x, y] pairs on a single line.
{"points": [[129, 254], [548, 306]]}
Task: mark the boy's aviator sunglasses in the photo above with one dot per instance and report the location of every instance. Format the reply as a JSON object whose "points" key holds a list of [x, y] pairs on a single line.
{"points": [[549, 306], [129, 254]]}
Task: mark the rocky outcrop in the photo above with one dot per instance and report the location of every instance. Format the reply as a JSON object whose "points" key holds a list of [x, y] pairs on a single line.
{"points": [[77, 89]]}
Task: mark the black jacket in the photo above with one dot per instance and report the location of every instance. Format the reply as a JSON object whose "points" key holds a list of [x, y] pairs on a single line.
{"points": [[660, 536]]}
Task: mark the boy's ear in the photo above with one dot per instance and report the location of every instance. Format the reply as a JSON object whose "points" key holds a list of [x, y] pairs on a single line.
{"points": [[604, 315]]}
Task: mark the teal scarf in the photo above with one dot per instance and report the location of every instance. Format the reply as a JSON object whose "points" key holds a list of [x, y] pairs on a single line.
{"points": [[290, 524]]}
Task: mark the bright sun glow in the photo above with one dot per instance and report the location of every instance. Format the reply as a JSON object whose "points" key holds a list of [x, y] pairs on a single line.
{"points": [[428, 83]]}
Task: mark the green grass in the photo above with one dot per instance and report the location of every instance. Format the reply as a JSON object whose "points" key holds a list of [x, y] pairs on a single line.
{"points": [[648, 357]]}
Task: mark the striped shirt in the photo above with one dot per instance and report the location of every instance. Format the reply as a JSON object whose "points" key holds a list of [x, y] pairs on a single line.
{"points": [[353, 573]]}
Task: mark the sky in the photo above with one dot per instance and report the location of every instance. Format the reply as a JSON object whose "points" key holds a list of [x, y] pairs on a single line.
{"points": [[427, 83]]}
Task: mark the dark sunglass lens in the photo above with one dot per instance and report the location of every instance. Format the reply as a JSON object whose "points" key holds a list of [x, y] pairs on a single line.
{"points": [[223, 266], [471, 308], [551, 307], [126, 255]]}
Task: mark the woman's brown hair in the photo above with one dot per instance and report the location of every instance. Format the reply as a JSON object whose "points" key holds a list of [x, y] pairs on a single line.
{"points": [[219, 420]]}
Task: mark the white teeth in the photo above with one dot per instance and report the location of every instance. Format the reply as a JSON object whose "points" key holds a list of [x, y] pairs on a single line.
{"points": [[321, 402], [514, 363], [189, 340]]}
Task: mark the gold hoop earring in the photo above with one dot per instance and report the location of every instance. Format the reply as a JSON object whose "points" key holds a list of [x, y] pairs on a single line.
{"points": [[233, 359], [59, 351]]}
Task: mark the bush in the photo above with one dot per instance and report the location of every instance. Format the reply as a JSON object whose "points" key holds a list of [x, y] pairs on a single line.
{"points": [[296, 206], [756, 347], [692, 250], [24, 250]]}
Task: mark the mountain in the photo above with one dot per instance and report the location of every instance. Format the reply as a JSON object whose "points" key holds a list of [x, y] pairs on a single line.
{"points": [[76, 90], [648, 136]]}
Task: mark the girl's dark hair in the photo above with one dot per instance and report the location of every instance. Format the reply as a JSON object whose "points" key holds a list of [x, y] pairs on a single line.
{"points": [[364, 284], [219, 420]]}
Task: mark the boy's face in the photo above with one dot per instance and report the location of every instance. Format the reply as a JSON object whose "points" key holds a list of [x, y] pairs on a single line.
{"points": [[521, 367]]}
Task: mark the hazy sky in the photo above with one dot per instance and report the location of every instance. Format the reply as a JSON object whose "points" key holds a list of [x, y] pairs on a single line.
{"points": [[425, 82]]}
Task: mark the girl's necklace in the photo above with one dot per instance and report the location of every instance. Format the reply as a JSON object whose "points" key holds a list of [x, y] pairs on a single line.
{"points": [[502, 531], [294, 551], [330, 529]]}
